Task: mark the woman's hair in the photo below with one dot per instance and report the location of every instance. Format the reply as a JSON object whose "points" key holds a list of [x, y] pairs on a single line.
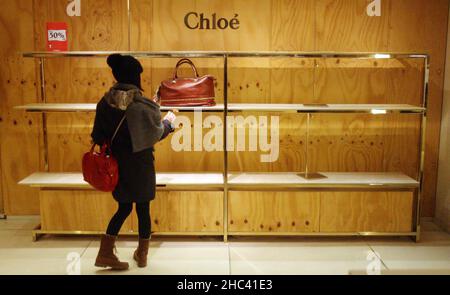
{"points": [[126, 69]]}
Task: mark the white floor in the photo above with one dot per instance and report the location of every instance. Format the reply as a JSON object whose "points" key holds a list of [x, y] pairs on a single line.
{"points": [[62, 255]]}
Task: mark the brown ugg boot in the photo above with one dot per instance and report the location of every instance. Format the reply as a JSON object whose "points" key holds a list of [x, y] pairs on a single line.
{"points": [[106, 256], [140, 255]]}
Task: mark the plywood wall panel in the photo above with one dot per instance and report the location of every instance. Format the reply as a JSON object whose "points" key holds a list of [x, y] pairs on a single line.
{"points": [[291, 149], [273, 211], [19, 145], [68, 139], [405, 81], [293, 25], [170, 33], [343, 25], [322, 25], [345, 80], [167, 159], [83, 81], [270, 80], [345, 143], [141, 28], [427, 35], [401, 146], [366, 212], [103, 24], [249, 80], [20, 158], [78, 211], [378, 81]]}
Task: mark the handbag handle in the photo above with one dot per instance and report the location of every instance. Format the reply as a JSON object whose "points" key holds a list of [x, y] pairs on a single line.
{"points": [[184, 61], [106, 146]]}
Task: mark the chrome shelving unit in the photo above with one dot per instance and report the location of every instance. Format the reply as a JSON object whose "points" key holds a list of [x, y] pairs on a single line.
{"points": [[230, 181]]}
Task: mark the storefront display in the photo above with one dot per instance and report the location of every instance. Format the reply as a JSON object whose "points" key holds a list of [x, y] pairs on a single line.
{"points": [[247, 197]]}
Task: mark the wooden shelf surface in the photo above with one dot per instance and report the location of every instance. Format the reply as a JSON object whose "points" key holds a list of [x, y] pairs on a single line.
{"points": [[221, 54], [75, 180], [277, 180], [336, 179], [238, 107]]}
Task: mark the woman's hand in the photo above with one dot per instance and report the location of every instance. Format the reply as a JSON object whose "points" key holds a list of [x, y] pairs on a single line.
{"points": [[170, 117], [157, 97]]}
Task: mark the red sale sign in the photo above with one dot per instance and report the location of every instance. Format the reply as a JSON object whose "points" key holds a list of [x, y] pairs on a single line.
{"points": [[57, 37]]}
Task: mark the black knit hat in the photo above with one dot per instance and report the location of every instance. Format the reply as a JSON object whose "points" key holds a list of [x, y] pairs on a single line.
{"points": [[126, 69]]}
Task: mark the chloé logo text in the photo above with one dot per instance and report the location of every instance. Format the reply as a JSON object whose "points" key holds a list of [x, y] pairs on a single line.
{"points": [[195, 21]]}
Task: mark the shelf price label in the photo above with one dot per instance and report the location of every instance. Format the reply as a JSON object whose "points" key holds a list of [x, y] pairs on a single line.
{"points": [[57, 37]]}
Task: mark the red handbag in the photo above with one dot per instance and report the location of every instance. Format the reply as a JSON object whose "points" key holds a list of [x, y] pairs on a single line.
{"points": [[192, 91], [100, 169]]}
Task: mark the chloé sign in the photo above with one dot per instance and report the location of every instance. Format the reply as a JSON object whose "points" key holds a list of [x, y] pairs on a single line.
{"points": [[195, 21]]}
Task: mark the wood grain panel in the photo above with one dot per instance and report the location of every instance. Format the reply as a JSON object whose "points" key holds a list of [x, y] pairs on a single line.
{"points": [[78, 210], [186, 212], [405, 81], [141, 25], [365, 143], [291, 147], [273, 211], [103, 24], [427, 35], [167, 159], [366, 212], [378, 81], [170, 33], [249, 80], [68, 139], [401, 144], [343, 25], [83, 80], [293, 25], [20, 158], [335, 25], [2, 206], [346, 143], [19, 145], [275, 80]]}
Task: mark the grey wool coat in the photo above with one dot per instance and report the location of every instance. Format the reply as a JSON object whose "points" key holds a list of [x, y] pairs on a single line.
{"points": [[133, 144]]}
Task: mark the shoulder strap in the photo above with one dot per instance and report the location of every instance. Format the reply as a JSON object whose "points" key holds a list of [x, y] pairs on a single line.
{"points": [[117, 129]]}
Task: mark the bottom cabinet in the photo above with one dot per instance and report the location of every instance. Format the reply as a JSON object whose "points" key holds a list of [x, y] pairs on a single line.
{"points": [[273, 211], [320, 211], [77, 210], [186, 212], [366, 212]]}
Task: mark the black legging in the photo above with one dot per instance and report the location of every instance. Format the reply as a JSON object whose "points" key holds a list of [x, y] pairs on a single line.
{"points": [[143, 213]]}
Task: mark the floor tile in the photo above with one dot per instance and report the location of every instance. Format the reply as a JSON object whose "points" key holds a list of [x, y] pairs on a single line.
{"points": [[19, 222], [167, 258], [307, 257]]}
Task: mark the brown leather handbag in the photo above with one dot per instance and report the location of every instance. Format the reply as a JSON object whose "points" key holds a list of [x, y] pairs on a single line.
{"points": [[192, 91]]}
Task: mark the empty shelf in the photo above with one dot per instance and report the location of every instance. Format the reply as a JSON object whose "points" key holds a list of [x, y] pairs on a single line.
{"points": [[240, 107], [75, 180], [327, 108], [336, 180], [90, 107], [159, 54], [58, 107], [238, 180]]}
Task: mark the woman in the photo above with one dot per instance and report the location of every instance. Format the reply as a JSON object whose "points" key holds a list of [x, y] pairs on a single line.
{"points": [[139, 130]]}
